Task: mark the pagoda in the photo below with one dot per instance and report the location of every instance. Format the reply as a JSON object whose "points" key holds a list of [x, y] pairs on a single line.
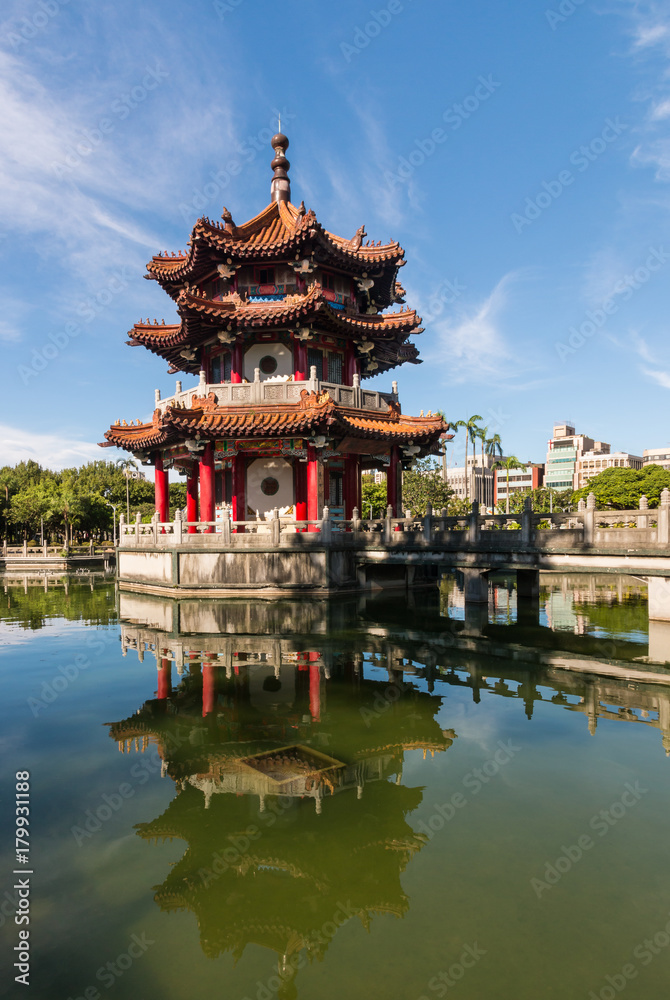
{"points": [[281, 321]]}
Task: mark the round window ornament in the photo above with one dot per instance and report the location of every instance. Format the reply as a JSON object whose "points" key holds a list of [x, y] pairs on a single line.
{"points": [[269, 486], [268, 365]]}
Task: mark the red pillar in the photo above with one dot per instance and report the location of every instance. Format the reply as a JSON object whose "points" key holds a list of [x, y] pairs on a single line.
{"points": [[192, 498], [207, 496], [208, 689], [164, 679], [300, 490], [237, 362], [351, 365], [315, 690], [300, 361], [393, 497], [352, 476], [312, 485], [161, 490], [239, 490]]}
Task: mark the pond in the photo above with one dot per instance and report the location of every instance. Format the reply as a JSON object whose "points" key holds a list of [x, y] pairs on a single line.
{"points": [[390, 796]]}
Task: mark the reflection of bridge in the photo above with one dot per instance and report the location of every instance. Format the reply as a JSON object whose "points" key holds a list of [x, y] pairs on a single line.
{"points": [[280, 555]]}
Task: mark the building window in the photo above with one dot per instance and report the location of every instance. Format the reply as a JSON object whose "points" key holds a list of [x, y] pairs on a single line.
{"points": [[269, 486], [221, 368], [336, 493], [328, 280], [268, 364], [266, 276], [335, 368], [315, 360]]}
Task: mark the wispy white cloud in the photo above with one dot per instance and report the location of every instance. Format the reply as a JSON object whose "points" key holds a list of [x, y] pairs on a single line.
{"points": [[473, 347], [660, 377], [52, 451]]}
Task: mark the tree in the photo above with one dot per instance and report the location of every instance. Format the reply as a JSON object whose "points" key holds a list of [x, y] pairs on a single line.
{"points": [[510, 463], [423, 485], [621, 489], [373, 498], [542, 500], [35, 503], [471, 429], [494, 446]]}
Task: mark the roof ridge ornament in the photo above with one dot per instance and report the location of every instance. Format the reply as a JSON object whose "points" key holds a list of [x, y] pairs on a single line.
{"points": [[280, 189]]}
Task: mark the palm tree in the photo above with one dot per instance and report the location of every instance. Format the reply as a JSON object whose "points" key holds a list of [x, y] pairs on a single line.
{"points": [[471, 433], [494, 445], [510, 463], [127, 465], [452, 425]]}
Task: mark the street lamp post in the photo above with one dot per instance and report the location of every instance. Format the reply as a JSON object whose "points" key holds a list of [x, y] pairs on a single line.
{"points": [[113, 506]]}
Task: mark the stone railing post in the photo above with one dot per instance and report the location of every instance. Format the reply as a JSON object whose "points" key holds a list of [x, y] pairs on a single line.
{"points": [[428, 524], [45, 549], [357, 390], [326, 527], [527, 522], [25, 547], [356, 519], [4, 546], [643, 520], [590, 520], [275, 525], [443, 519], [663, 519], [177, 528], [473, 523], [154, 525], [138, 521], [388, 525], [225, 528]]}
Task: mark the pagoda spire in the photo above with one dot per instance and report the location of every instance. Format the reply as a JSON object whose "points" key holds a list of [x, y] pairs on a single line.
{"points": [[280, 189]]}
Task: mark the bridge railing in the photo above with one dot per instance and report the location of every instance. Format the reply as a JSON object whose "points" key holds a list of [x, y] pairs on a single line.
{"points": [[585, 526]]}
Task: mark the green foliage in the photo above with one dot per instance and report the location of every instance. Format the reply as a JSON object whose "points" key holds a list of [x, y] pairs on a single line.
{"points": [[621, 489], [373, 494], [423, 485], [542, 500]]}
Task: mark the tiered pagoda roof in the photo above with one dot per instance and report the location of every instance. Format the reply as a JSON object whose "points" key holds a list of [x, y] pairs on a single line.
{"points": [[201, 317], [313, 414]]}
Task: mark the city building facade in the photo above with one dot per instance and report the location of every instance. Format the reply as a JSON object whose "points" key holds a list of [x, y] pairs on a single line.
{"points": [[528, 477], [657, 456], [592, 463]]}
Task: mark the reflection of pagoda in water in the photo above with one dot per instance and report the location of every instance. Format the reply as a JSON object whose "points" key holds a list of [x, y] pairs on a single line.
{"points": [[288, 767]]}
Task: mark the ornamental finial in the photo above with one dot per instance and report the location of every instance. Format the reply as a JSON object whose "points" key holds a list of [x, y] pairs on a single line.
{"points": [[280, 189]]}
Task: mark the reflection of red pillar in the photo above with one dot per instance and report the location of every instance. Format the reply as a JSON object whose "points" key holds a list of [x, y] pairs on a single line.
{"points": [[161, 491], [300, 489], [300, 362], [236, 362], [164, 679], [192, 498], [315, 690], [208, 689], [393, 482], [207, 497], [352, 474], [239, 491], [312, 485]]}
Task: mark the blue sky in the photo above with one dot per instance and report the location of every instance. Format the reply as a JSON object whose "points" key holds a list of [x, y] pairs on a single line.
{"points": [[520, 153]]}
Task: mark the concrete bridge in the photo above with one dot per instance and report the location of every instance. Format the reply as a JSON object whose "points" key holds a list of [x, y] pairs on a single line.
{"points": [[279, 555]]}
